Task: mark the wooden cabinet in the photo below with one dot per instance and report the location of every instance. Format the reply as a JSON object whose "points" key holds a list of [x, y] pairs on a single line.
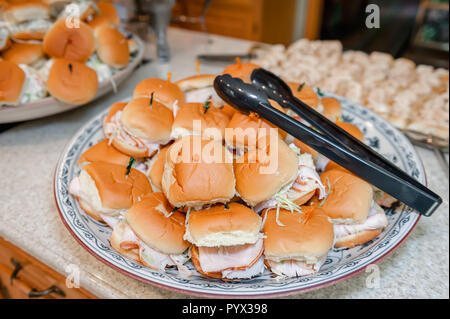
{"points": [[270, 21], [32, 278]]}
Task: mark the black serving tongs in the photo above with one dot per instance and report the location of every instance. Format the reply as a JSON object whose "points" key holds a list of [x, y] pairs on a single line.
{"points": [[326, 138]]}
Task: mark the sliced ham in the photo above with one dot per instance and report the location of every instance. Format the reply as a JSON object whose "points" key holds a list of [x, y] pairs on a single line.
{"points": [[256, 269], [375, 220], [295, 268], [217, 259]]}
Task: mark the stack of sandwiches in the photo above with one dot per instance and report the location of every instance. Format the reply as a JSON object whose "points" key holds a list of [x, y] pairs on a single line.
{"points": [[58, 54], [237, 206]]}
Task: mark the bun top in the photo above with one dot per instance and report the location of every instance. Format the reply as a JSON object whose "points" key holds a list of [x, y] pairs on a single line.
{"points": [[70, 43], [248, 129], [72, 82], [154, 222], [11, 82], [304, 93], [306, 236], [102, 152], [116, 107], [332, 109], [165, 92], [108, 11], [261, 173], [209, 116], [232, 225], [194, 82], [198, 171], [24, 53], [241, 70], [156, 170], [351, 129], [152, 123], [116, 189], [349, 199], [17, 12], [112, 46]]}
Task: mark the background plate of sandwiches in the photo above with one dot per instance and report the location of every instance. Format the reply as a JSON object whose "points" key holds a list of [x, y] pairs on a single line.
{"points": [[233, 248], [53, 64]]}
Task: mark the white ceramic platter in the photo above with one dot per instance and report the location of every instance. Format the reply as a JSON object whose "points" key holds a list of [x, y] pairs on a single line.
{"points": [[340, 264], [49, 105]]}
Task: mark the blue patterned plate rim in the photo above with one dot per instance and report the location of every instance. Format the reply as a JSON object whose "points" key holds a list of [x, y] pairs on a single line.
{"points": [[340, 265]]}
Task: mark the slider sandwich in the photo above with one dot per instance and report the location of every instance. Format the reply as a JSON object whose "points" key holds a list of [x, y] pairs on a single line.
{"points": [[25, 53], [198, 171], [155, 169], [296, 243], [106, 191], [199, 89], [242, 71], [152, 234], [324, 164], [286, 179], [27, 20], [350, 206], [164, 92], [227, 242], [103, 152], [72, 82], [112, 46], [107, 15], [199, 119], [62, 41], [140, 128], [244, 130], [12, 79]]}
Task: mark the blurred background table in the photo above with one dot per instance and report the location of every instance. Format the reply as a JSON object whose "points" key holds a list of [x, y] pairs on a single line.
{"points": [[29, 219]]}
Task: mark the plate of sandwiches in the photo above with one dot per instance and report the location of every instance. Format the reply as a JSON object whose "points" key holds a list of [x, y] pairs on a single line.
{"points": [[177, 189], [51, 63]]}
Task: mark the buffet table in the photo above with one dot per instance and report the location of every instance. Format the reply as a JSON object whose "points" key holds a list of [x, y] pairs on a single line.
{"points": [[419, 268]]}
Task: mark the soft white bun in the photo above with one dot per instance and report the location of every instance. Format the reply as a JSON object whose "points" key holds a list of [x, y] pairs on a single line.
{"points": [[103, 152], [152, 219], [196, 82], [152, 123], [72, 82], [112, 46], [69, 43], [24, 53], [306, 236], [156, 169], [221, 226], [109, 189], [12, 79], [262, 172], [192, 178], [349, 199], [211, 119], [24, 11], [165, 92]]}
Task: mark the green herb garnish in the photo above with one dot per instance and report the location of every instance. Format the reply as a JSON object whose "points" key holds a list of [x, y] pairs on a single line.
{"points": [[70, 67], [151, 98], [174, 210], [206, 106], [226, 206], [300, 87], [130, 163], [319, 92]]}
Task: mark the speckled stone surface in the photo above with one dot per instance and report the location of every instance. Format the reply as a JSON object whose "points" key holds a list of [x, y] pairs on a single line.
{"points": [[419, 268]]}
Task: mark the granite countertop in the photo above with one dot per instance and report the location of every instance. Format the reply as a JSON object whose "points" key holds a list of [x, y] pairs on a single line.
{"points": [[419, 268]]}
